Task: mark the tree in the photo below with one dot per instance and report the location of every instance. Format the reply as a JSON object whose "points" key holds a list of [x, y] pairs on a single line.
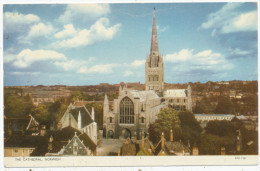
{"points": [[167, 119], [190, 128], [210, 144], [225, 106], [204, 106], [42, 114], [17, 106], [220, 128]]}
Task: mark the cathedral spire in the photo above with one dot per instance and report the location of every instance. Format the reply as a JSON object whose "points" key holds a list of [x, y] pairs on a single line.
{"points": [[154, 51]]}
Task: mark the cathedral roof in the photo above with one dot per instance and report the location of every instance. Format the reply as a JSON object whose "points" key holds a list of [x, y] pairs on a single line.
{"points": [[175, 93], [144, 95]]}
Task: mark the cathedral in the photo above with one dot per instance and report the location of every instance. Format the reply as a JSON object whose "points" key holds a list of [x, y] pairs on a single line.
{"points": [[134, 110]]}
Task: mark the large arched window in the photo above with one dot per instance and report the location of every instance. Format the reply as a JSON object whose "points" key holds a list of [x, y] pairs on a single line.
{"points": [[126, 111]]}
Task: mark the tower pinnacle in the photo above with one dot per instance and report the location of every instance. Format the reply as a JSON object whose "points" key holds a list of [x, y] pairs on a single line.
{"points": [[154, 51]]}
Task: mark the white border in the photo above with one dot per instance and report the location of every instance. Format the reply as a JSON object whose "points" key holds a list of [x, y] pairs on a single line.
{"points": [[120, 161]]}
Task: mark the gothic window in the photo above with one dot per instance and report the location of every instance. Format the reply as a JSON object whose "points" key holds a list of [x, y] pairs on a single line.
{"points": [[178, 100], [110, 119], [142, 119], [126, 111], [75, 148], [184, 100]]}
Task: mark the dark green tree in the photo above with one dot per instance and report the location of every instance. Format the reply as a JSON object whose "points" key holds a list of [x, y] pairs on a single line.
{"points": [[225, 106], [190, 128]]}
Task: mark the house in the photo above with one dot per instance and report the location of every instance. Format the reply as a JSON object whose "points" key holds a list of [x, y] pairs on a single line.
{"points": [[65, 142], [80, 118]]}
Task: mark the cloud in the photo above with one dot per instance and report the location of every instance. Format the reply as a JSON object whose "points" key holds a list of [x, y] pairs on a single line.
{"points": [[97, 33], [237, 51], [9, 55], [27, 57], [128, 73], [76, 12], [159, 29], [37, 30], [85, 66], [138, 63], [25, 73], [204, 60], [228, 20], [243, 22], [17, 22], [100, 68], [40, 29], [68, 31], [182, 55]]}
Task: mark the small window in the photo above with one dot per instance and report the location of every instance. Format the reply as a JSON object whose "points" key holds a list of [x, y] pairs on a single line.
{"points": [[16, 150], [184, 100], [110, 119], [142, 119], [178, 100]]}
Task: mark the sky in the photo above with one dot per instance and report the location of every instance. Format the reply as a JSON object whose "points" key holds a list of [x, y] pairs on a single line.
{"points": [[88, 44]]}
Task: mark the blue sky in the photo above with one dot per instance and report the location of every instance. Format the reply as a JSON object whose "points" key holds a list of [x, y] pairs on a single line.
{"points": [[86, 44]]}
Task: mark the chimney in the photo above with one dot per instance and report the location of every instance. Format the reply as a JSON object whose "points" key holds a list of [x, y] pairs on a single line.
{"points": [[59, 126], [120, 89], [142, 139], [239, 141], [162, 140], [43, 131], [171, 136], [93, 114], [223, 151], [79, 121], [135, 137], [10, 130], [50, 143], [195, 151]]}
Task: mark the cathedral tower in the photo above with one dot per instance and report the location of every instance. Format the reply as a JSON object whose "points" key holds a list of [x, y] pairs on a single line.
{"points": [[154, 69]]}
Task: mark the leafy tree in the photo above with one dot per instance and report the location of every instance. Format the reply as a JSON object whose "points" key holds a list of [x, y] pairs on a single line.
{"points": [[204, 106], [17, 106], [42, 114], [167, 119], [210, 144], [56, 111], [190, 128], [225, 106], [221, 128]]}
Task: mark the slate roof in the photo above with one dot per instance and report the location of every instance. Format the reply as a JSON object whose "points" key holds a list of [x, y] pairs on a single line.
{"points": [[86, 118], [26, 124], [144, 95], [175, 93], [70, 117], [87, 141], [171, 148], [40, 143], [176, 147]]}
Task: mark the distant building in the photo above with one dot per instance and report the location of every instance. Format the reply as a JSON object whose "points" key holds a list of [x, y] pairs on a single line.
{"points": [[211, 117], [179, 99], [205, 118]]}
